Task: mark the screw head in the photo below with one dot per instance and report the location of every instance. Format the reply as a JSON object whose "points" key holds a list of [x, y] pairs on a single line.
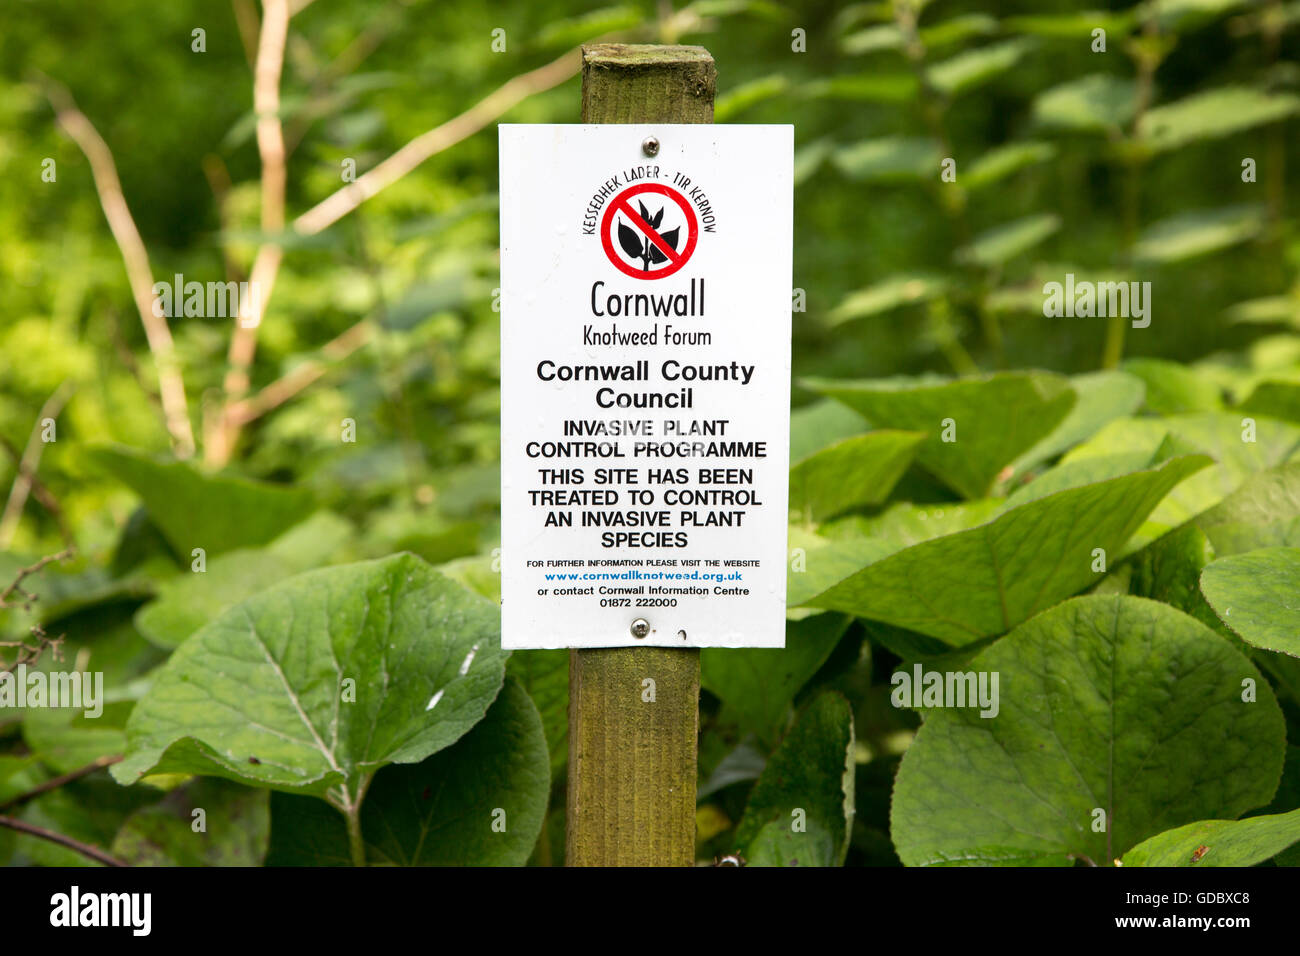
{"points": [[640, 627], [651, 146]]}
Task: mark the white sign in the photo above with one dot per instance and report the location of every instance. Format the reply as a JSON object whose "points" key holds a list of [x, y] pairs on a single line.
{"points": [[645, 385]]}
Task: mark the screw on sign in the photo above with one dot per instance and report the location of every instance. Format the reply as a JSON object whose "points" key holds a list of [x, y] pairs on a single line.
{"points": [[646, 249]]}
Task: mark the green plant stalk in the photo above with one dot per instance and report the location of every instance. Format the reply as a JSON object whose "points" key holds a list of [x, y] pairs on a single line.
{"points": [[356, 845], [933, 106], [350, 807], [1147, 62]]}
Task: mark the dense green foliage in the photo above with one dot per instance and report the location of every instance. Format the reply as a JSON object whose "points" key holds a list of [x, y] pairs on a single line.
{"points": [[296, 624]]}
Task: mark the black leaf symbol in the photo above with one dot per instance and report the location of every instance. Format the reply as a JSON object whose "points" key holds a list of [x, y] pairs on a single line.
{"points": [[645, 213], [669, 237], [630, 240], [659, 217]]}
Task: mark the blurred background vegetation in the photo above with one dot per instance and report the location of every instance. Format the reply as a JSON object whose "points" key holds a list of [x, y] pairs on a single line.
{"points": [[1124, 164]]}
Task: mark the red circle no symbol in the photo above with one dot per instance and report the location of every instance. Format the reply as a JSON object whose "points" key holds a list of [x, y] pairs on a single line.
{"points": [[640, 240]]}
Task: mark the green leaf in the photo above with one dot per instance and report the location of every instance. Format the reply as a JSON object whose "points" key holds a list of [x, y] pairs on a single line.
{"points": [[544, 674], [873, 39], [742, 97], [1213, 114], [1097, 103], [851, 473], [257, 696], [758, 683], [1284, 309], [1111, 703], [1172, 388], [1169, 570], [957, 29], [480, 574], [442, 811], [1102, 398], [571, 31], [800, 812], [808, 159], [873, 87], [67, 739], [1257, 594], [985, 581], [1200, 232], [236, 828], [891, 293], [821, 424], [889, 159], [820, 562], [1219, 842], [1263, 512], [996, 418], [90, 810], [1003, 243], [905, 524], [1073, 26], [188, 601], [973, 68], [1188, 14], [1218, 434], [214, 512], [1075, 474], [1276, 400], [1002, 161]]}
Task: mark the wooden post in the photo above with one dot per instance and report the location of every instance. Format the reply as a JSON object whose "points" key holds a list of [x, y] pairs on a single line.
{"points": [[632, 763]]}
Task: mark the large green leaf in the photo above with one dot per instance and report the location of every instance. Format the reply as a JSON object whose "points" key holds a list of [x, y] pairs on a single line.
{"points": [[232, 830], [1219, 842], [1275, 399], [758, 683], [1172, 389], [480, 802], [1107, 703], [995, 418], [258, 695], [1102, 398], [189, 600], [1263, 512], [1222, 435], [857, 471], [819, 562], [800, 812], [1075, 474], [822, 423], [195, 510], [986, 580], [1169, 570], [1257, 594], [544, 674], [905, 524]]}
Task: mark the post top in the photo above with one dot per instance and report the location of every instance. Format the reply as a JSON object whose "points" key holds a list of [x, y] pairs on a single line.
{"points": [[628, 55]]}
